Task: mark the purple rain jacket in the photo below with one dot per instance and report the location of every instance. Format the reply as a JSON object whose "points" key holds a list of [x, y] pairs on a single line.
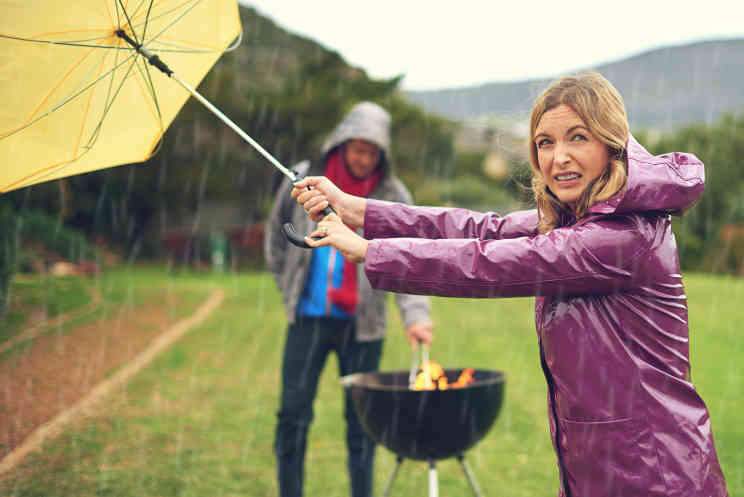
{"points": [[611, 318]]}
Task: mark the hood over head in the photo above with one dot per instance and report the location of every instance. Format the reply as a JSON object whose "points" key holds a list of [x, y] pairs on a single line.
{"points": [[365, 121], [670, 182]]}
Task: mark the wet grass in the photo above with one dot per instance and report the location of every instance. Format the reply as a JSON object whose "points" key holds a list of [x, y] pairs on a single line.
{"points": [[200, 419], [43, 303], [41, 297]]}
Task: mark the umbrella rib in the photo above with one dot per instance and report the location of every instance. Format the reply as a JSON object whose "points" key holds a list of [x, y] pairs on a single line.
{"points": [[150, 89], [147, 23], [85, 115], [207, 48], [55, 167], [110, 101], [44, 171], [175, 20], [65, 101], [110, 97], [77, 43], [129, 22], [166, 12], [51, 92]]}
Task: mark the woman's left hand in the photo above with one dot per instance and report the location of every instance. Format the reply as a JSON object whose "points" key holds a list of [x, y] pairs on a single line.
{"points": [[331, 231]]}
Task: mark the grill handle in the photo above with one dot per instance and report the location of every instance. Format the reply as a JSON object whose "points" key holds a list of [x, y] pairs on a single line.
{"points": [[420, 357]]}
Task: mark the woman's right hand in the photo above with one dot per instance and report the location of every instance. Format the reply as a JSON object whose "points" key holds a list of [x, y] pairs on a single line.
{"points": [[323, 193]]}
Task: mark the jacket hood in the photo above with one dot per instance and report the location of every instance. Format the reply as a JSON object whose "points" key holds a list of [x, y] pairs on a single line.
{"points": [[365, 121], [670, 182]]}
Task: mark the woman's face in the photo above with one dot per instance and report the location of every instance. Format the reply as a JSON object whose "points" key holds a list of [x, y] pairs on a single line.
{"points": [[569, 156]]}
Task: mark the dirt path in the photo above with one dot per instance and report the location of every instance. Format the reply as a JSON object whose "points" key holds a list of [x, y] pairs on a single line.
{"points": [[48, 324], [61, 376]]}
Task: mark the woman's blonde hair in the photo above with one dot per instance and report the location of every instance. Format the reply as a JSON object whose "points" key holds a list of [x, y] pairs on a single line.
{"points": [[601, 108]]}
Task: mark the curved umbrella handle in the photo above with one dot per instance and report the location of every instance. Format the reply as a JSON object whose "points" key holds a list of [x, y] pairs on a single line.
{"points": [[289, 230], [292, 235]]}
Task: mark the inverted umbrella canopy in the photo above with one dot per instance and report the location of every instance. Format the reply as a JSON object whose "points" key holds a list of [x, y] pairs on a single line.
{"points": [[77, 97]]}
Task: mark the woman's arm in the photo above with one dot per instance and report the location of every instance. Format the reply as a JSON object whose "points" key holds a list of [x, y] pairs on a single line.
{"points": [[315, 193], [601, 258], [383, 219], [392, 220]]}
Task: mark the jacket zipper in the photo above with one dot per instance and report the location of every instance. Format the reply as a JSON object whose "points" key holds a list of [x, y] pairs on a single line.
{"points": [[551, 392]]}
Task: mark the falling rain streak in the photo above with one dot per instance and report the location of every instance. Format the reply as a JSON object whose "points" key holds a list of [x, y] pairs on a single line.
{"points": [[95, 267]]}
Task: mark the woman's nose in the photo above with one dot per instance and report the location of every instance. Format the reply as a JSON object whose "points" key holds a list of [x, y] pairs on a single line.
{"points": [[560, 154]]}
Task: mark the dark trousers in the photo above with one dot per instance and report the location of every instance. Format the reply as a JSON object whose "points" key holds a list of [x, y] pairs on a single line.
{"points": [[309, 341]]}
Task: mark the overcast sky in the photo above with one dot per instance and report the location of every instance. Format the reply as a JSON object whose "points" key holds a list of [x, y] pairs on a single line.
{"points": [[439, 44]]}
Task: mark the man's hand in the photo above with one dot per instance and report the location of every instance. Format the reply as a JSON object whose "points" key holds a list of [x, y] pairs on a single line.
{"points": [[420, 332]]}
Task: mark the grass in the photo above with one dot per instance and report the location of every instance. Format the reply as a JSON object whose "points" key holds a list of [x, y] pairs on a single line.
{"points": [[200, 420], [49, 296], [38, 299]]}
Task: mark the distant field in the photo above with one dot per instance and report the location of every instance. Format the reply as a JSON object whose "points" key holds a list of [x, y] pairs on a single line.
{"points": [[200, 420]]}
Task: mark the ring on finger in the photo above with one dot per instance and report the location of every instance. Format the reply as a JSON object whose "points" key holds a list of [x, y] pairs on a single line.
{"points": [[324, 231]]}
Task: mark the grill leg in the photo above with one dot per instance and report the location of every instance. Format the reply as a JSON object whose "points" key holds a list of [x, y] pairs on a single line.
{"points": [[398, 462], [433, 481], [469, 475]]}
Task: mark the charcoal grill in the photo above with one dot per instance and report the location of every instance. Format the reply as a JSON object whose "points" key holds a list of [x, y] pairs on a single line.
{"points": [[426, 425]]}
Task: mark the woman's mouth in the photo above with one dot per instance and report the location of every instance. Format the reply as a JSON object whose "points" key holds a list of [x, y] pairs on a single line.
{"points": [[567, 179]]}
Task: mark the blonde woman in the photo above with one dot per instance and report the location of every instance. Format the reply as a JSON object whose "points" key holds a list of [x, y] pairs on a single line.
{"points": [[599, 255]]}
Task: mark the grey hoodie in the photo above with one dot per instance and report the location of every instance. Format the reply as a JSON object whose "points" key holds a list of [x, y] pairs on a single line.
{"points": [[290, 264]]}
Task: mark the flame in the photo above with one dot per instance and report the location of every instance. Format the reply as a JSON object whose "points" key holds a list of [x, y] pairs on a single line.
{"points": [[432, 377]]}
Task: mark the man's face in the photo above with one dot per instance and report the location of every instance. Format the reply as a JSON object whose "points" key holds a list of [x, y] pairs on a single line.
{"points": [[362, 157]]}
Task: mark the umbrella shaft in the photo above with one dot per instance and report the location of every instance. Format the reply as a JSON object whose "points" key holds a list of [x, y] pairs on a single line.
{"points": [[288, 173], [155, 61]]}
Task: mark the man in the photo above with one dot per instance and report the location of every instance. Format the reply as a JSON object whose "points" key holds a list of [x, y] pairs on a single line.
{"points": [[329, 302]]}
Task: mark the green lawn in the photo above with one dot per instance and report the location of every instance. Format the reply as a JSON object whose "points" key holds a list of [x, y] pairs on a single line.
{"points": [[200, 420]]}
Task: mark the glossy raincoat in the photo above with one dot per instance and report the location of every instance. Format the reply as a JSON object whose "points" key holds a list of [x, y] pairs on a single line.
{"points": [[611, 320]]}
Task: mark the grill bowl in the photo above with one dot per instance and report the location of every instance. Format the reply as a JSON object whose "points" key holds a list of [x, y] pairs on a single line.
{"points": [[426, 424]]}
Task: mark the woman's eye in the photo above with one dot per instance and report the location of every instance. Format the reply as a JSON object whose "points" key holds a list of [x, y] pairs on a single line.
{"points": [[579, 137], [543, 142]]}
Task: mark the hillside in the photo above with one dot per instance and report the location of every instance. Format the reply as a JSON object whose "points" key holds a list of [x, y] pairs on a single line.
{"points": [[286, 92], [663, 88]]}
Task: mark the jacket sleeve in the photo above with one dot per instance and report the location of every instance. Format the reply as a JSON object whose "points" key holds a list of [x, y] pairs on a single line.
{"points": [[392, 220], [413, 308], [599, 257]]}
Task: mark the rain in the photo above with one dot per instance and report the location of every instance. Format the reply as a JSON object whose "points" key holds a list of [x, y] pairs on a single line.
{"points": [[142, 331]]}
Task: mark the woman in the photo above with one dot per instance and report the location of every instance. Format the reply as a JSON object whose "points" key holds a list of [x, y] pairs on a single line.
{"points": [[600, 256]]}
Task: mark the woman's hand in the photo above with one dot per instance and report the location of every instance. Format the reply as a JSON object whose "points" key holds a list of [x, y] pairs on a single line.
{"points": [[323, 193], [331, 231]]}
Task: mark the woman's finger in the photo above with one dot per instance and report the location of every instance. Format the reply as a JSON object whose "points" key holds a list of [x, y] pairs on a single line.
{"points": [[316, 204], [333, 218], [317, 241], [305, 195]]}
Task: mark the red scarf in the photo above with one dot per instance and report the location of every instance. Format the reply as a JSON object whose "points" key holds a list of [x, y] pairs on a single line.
{"points": [[346, 296]]}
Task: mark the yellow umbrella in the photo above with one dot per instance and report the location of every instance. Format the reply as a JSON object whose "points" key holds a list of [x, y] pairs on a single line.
{"points": [[77, 93]]}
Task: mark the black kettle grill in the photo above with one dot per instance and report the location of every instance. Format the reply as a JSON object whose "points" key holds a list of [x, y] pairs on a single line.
{"points": [[426, 424]]}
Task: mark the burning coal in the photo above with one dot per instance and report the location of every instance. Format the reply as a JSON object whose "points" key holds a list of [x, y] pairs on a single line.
{"points": [[433, 377]]}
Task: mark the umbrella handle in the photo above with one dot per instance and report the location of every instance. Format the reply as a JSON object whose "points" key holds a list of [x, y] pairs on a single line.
{"points": [[288, 228], [291, 233]]}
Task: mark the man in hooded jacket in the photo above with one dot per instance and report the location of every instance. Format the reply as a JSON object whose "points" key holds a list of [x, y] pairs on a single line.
{"points": [[329, 302]]}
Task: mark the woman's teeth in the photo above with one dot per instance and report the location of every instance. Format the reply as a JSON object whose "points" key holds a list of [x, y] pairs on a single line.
{"points": [[568, 176]]}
